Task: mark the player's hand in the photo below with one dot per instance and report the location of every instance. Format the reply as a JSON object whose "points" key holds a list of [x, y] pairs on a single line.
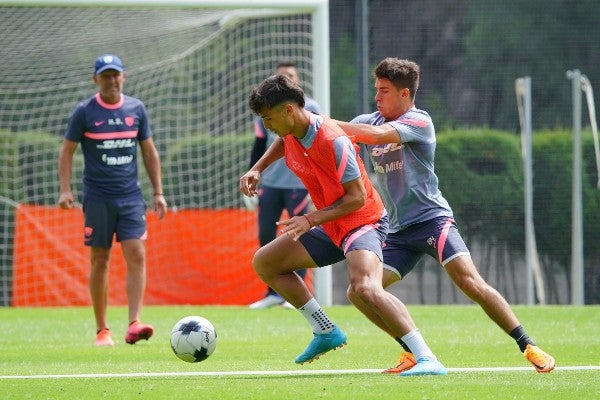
{"points": [[249, 183], [65, 201], [160, 205], [295, 226]]}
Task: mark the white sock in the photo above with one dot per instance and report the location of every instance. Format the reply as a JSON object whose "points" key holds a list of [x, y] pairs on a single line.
{"points": [[417, 345], [316, 317]]}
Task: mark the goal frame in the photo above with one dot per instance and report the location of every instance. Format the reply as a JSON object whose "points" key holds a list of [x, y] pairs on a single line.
{"points": [[319, 10]]}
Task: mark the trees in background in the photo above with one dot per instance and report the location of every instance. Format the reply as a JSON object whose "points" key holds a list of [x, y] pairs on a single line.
{"points": [[470, 53]]}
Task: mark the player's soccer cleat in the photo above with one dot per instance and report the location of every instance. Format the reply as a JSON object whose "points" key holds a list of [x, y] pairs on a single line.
{"points": [[321, 344], [267, 302], [542, 361], [138, 331], [426, 366], [104, 338], [406, 362]]}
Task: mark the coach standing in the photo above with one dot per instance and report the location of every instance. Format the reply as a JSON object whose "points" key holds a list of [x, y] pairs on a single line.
{"points": [[109, 126]]}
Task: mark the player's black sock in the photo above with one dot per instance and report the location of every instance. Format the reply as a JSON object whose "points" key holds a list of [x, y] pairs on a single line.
{"points": [[521, 338], [404, 346]]}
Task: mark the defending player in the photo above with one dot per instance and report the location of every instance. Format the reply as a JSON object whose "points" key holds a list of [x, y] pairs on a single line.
{"points": [[401, 142]]}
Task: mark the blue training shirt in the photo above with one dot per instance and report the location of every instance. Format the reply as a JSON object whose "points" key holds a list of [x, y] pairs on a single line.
{"points": [[109, 135], [405, 176], [278, 175]]}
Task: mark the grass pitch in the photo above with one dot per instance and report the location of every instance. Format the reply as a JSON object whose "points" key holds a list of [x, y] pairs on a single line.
{"points": [[48, 353]]}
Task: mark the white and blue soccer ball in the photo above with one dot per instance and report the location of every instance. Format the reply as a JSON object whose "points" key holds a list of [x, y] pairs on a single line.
{"points": [[193, 339]]}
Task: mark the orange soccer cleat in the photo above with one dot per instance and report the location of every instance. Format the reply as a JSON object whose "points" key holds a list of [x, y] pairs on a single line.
{"points": [[542, 361]]}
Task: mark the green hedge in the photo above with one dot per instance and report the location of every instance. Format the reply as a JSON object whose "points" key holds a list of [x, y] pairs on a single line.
{"points": [[553, 163], [29, 167], [481, 176], [204, 171]]}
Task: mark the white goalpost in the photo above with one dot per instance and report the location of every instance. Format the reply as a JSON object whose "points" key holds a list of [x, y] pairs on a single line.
{"points": [[193, 63], [534, 271], [580, 83]]}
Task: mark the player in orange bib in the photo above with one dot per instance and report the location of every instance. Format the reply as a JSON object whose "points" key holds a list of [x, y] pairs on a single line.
{"points": [[349, 222]]}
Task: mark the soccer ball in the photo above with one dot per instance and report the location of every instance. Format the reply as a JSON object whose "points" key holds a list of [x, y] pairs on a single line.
{"points": [[193, 339]]}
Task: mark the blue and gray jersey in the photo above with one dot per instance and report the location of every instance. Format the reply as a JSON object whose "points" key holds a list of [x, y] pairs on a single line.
{"points": [[278, 175], [109, 135], [405, 176]]}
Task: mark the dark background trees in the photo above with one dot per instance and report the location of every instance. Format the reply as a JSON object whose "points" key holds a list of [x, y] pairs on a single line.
{"points": [[470, 53]]}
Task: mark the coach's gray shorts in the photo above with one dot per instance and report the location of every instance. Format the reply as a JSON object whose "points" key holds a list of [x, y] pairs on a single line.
{"points": [[367, 237]]}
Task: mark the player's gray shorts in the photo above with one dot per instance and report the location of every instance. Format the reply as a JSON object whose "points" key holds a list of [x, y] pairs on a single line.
{"points": [[104, 219], [367, 237], [438, 237]]}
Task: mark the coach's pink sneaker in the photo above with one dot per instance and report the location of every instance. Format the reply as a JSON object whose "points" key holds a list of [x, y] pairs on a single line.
{"points": [[104, 338], [138, 331]]}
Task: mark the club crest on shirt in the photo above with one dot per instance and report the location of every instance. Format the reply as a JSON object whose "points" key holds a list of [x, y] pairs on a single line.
{"points": [[129, 121]]}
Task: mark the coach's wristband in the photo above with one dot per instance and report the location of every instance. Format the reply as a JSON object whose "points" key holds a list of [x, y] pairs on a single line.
{"points": [[158, 194]]}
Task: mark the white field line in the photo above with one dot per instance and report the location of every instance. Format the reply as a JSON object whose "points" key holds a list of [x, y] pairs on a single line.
{"points": [[315, 372]]}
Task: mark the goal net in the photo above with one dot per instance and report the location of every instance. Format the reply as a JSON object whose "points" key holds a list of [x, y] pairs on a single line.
{"points": [[193, 64]]}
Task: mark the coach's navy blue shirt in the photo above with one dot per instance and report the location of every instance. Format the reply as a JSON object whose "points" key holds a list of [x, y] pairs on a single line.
{"points": [[109, 135]]}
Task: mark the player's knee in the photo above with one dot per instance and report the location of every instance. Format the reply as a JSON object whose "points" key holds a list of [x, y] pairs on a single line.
{"points": [[137, 259], [352, 297], [262, 264], [100, 260], [475, 288], [257, 263], [363, 291]]}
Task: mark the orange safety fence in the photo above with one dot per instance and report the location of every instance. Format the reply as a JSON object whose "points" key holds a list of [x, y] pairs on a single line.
{"points": [[198, 256]]}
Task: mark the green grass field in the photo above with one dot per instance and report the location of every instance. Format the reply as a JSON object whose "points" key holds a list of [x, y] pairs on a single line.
{"points": [[51, 352]]}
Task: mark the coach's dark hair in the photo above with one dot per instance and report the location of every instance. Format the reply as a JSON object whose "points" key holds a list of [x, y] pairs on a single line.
{"points": [[275, 90], [402, 73]]}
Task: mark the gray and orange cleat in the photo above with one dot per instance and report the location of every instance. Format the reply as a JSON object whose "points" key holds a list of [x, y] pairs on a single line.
{"points": [[425, 366], [406, 362], [542, 361]]}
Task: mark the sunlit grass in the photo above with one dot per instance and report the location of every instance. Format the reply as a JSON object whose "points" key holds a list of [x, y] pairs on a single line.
{"points": [[59, 341]]}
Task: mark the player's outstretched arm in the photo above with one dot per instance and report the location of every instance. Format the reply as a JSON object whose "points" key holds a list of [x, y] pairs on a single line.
{"points": [[370, 134]]}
